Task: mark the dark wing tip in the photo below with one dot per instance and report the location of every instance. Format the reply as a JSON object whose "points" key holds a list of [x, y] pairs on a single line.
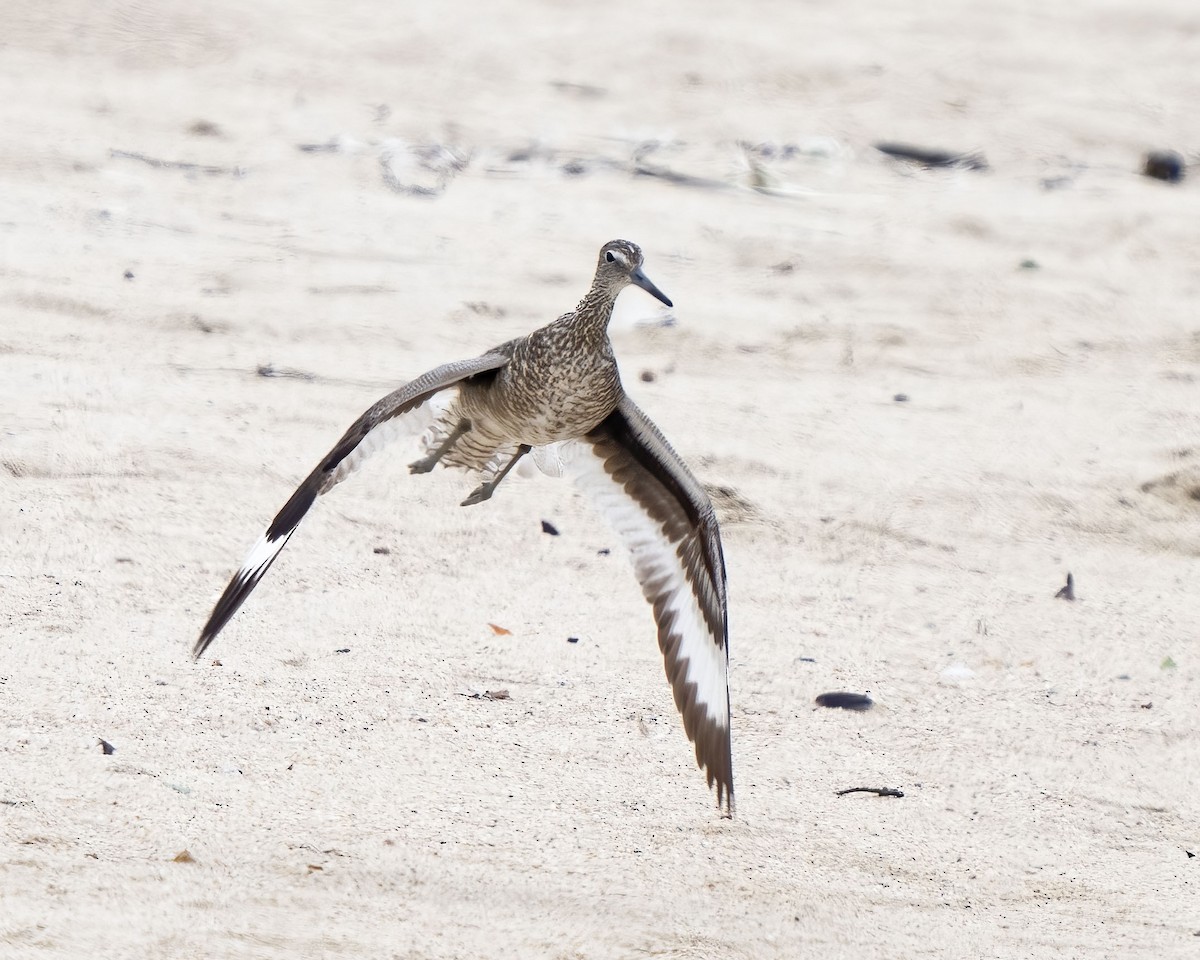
{"points": [[240, 587], [234, 596], [714, 752]]}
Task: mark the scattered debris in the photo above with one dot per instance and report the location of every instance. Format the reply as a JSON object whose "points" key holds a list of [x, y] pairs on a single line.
{"points": [[584, 91], [1181, 487], [107, 747], [933, 158], [640, 168], [603, 552], [878, 791], [842, 700], [183, 856], [420, 169], [382, 551], [342, 650], [329, 146], [1164, 165], [1067, 592], [489, 695], [499, 630], [548, 527], [313, 867], [1148, 706], [572, 639]]}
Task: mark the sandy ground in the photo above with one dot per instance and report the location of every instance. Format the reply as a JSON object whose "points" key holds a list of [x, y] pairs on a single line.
{"points": [[467, 164]]}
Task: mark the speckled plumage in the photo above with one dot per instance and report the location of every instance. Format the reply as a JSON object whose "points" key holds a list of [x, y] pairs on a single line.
{"points": [[557, 393]]}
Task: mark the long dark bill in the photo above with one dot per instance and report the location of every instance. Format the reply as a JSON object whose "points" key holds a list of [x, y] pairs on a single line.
{"points": [[641, 280]]}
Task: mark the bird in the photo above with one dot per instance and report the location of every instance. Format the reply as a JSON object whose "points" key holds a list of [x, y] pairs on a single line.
{"points": [[556, 394]]}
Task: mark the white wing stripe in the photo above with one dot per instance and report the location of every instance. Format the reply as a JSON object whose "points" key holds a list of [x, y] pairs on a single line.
{"points": [[659, 567]]}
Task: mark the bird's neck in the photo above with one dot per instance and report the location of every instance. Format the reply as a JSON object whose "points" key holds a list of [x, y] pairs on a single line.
{"points": [[594, 312]]}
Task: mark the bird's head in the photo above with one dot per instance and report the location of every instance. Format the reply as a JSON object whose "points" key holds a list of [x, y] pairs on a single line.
{"points": [[620, 264]]}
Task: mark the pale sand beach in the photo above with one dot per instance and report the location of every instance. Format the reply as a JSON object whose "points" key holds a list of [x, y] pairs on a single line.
{"points": [[921, 396]]}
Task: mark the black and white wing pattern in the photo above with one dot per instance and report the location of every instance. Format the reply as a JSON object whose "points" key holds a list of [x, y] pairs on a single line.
{"points": [[370, 433], [666, 520]]}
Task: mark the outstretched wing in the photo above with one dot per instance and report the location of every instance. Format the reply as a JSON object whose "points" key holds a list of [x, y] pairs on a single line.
{"points": [[666, 520], [368, 434]]}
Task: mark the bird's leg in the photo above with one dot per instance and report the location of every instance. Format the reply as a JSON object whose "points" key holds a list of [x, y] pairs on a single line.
{"points": [[427, 463], [485, 490]]}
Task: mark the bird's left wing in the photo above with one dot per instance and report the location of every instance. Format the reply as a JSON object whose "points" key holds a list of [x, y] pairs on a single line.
{"points": [[666, 520], [367, 435]]}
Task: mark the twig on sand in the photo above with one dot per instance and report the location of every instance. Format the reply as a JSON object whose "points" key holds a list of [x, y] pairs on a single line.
{"points": [[270, 370], [878, 791], [178, 164]]}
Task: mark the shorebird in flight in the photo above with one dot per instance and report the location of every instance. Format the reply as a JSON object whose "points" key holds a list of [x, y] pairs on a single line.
{"points": [[556, 394]]}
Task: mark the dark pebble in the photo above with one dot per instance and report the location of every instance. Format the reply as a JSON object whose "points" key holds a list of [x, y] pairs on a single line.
{"points": [[1164, 165], [647, 376], [572, 639], [845, 701], [128, 274], [382, 551], [342, 650], [901, 398], [603, 552], [107, 747], [548, 527]]}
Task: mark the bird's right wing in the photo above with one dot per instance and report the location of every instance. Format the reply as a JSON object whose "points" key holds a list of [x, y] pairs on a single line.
{"points": [[666, 520], [370, 433]]}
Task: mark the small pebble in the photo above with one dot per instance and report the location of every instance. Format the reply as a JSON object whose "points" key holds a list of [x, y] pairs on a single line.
{"points": [[548, 527], [382, 551], [107, 747], [342, 650], [572, 639], [648, 376], [901, 398], [1164, 165], [128, 274]]}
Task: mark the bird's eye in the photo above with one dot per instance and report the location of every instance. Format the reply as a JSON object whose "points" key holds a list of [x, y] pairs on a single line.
{"points": [[609, 257]]}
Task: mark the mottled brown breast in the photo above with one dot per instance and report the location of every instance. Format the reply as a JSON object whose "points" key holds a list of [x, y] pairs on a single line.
{"points": [[559, 385]]}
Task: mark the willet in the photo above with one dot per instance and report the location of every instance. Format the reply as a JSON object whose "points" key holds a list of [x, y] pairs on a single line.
{"points": [[557, 394]]}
